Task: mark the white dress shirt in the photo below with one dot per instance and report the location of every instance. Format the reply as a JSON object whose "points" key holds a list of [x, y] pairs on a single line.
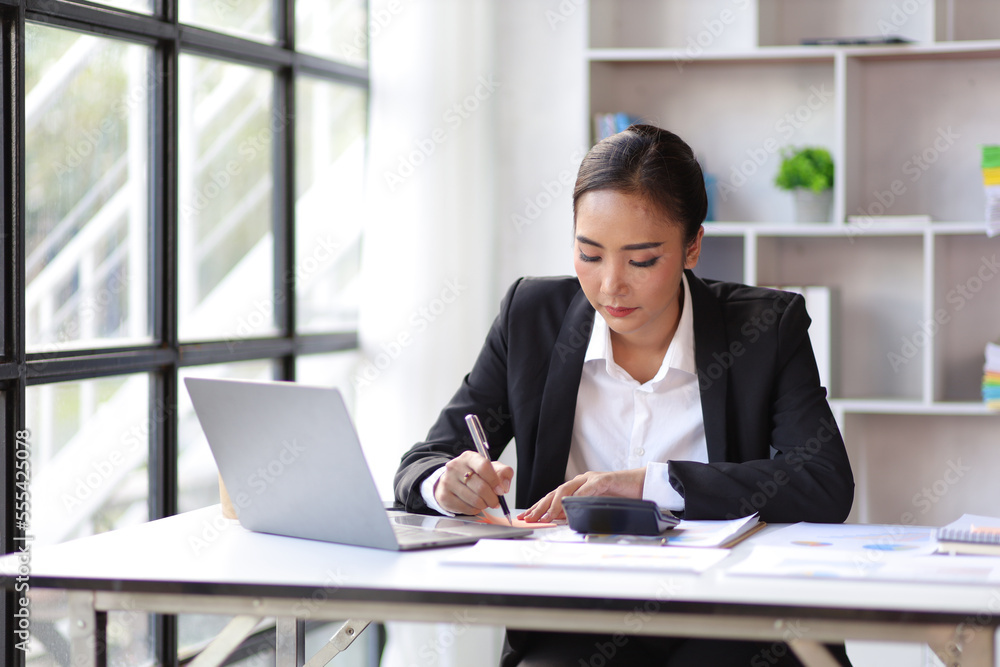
{"points": [[621, 424]]}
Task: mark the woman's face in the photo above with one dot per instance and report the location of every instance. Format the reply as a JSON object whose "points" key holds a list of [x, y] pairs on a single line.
{"points": [[629, 260]]}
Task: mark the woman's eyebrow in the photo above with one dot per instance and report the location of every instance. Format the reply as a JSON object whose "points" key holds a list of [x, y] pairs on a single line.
{"points": [[631, 246]]}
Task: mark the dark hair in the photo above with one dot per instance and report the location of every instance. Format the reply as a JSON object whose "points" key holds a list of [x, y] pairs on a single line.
{"points": [[653, 163]]}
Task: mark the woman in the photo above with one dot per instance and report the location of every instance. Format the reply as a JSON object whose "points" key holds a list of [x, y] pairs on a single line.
{"points": [[638, 379]]}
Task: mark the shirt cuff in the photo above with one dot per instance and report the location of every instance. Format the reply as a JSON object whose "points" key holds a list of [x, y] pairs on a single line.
{"points": [[657, 487], [427, 492]]}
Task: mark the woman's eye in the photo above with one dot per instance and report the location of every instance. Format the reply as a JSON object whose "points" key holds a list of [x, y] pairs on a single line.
{"points": [[645, 265], [588, 258]]}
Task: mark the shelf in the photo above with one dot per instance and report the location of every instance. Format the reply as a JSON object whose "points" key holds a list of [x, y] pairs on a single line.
{"points": [[843, 229], [791, 21], [887, 407], [914, 131], [682, 56], [965, 312], [936, 51], [792, 54], [912, 305], [924, 469], [741, 25], [791, 103]]}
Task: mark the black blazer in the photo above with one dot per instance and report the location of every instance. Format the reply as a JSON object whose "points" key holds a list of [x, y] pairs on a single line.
{"points": [[773, 445]]}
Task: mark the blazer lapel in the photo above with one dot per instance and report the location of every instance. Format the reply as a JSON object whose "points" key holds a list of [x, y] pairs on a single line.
{"points": [[558, 406], [710, 340]]}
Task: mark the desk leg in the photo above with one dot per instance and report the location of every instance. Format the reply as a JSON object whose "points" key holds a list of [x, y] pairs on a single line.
{"points": [[341, 639], [226, 641], [87, 631], [289, 642], [966, 646]]}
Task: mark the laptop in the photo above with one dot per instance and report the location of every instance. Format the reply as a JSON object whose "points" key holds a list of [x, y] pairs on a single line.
{"points": [[293, 465]]}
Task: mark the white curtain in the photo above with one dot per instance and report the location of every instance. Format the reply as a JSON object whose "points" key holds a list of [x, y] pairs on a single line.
{"points": [[477, 108]]}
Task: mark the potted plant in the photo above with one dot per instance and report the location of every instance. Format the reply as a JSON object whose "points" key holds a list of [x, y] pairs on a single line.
{"points": [[808, 173]]}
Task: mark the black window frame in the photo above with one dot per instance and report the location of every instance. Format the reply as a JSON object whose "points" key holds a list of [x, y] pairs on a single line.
{"points": [[166, 355]]}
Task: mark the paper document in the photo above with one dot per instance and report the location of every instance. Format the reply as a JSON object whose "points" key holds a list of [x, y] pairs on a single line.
{"points": [[709, 534], [888, 538], [546, 553], [777, 561]]}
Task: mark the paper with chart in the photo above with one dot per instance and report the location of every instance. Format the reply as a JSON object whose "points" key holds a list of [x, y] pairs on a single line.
{"points": [[882, 538], [775, 561], [858, 551]]}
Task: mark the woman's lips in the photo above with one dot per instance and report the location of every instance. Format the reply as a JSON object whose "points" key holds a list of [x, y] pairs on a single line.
{"points": [[618, 312]]}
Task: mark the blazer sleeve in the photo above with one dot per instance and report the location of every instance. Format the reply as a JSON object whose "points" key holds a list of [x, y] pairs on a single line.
{"points": [[482, 392], [785, 456]]}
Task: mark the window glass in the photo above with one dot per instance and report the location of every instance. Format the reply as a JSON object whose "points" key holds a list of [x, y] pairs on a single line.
{"points": [[86, 190], [330, 162], [89, 455], [253, 19], [89, 446], [339, 29], [226, 256], [336, 369]]}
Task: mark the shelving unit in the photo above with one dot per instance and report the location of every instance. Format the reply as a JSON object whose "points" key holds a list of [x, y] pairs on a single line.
{"points": [[914, 304]]}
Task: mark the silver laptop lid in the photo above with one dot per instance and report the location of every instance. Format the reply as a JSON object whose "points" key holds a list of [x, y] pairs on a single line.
{"points": [[291, 460]]}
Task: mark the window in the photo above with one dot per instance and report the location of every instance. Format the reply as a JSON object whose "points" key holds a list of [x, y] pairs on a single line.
{"points": [[182, 197], [86, 190]]}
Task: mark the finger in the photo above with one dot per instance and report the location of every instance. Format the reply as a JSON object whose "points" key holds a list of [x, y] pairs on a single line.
{"points": [[555, 509], [505, 473], [481, 488], [460, 501], [484, 468], [475, 491], [536, 511], [570, 488], [487, 472], [453, 491]]}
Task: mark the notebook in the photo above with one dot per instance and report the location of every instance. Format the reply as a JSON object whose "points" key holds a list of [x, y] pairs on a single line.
{"points": [[293, 465], [970, 534]]}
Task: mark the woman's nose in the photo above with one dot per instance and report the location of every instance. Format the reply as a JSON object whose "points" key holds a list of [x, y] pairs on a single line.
{"points": [[613, 283]]}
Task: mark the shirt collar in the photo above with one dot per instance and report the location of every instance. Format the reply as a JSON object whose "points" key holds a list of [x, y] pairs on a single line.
{"points": [[680, 354]]}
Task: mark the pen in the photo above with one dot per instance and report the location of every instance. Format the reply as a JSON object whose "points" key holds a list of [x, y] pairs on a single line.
{"points": [[479, 437]]}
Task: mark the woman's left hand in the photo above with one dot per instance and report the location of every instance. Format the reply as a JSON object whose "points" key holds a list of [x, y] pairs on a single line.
{"points": [[623, 484]]}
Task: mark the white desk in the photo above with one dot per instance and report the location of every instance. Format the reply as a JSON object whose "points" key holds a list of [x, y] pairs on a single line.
{"points": [[200, 562]]}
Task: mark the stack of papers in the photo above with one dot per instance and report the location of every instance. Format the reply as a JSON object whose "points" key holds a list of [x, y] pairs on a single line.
{"points": [[971, 534], [991, 181], [852, 551], [703, 534], [577, 555], [563, 547], [991, 376]]}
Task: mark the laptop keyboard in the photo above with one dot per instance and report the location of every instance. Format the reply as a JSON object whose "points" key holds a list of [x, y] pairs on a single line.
{"points": [[413, 534]]}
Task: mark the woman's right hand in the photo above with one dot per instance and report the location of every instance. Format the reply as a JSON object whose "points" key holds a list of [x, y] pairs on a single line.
{"points": [[470, 484]]}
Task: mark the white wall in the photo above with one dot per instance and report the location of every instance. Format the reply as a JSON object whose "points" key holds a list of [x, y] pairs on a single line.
{"points": [[542, 133], [478, 125]]}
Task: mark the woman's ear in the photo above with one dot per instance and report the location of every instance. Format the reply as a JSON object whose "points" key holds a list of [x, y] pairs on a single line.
{"points": [[693, 251]]}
